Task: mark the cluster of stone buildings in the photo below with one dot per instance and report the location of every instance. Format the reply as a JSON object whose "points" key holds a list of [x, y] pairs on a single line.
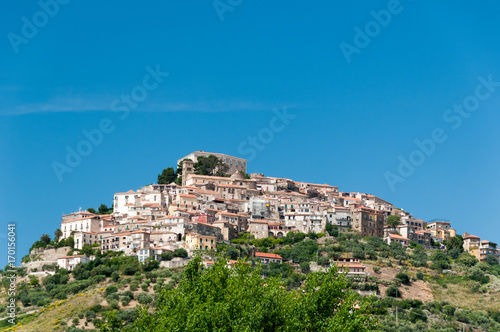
{"points": [[209, 209]]}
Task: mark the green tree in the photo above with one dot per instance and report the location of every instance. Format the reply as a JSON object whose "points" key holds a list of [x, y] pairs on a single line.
{"points": [[210, 165], [393, 291], [418, 258], [238, 299], [332, 230], [103, 209], [440, 261], [491, 260], [393, 221], [167, 255], [455, 243], [304, 267], [91, 210], [45, 238], [167, 176], [466, 259], [405, 279], [58, 233], [180, 253]]}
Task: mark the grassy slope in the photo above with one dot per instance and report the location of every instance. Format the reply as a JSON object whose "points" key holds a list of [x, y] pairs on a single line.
{"points": [[50, 317]]}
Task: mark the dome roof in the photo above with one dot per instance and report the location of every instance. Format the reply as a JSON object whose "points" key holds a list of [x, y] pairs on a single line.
{"points": [[237, 176]]}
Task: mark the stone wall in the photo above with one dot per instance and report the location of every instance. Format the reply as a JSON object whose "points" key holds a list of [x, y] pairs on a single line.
{"points": [[51, 254], [175, 262]]}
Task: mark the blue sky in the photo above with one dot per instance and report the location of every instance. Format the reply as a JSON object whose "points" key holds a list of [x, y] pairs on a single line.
{"points": [[351, 119]]}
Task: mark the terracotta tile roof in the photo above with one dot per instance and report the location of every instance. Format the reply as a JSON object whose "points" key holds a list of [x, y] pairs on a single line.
{"points": [[257, 221], [471, 237], [228, 214], [267, 255], [230, 186], [128, 192], [84, 218], [151, 204], [187, 196], [399, 237]]}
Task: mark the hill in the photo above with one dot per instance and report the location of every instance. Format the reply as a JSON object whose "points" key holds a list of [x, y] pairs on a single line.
{"points": [[431, 290]]}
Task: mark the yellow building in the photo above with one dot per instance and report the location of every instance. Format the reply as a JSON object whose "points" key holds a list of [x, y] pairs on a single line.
{"points": [[442, 230], [195, 241], [486, 248]]}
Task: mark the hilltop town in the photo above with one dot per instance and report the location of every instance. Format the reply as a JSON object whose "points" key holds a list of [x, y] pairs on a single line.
{"points": [[200, 211], [208, 219]]}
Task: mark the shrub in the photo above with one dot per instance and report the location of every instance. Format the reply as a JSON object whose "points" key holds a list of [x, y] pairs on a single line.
{"points": [[466, 259], [304, 267], [477, 274], [417, 314], [376, 269], [76, 321], [112, 297], [60, 296], [420, 275], [89, 315], [114, 304], [134, 285], [405, 279], [312, 235], [126, 300], [115, 276], [393, 291], [462, 315], [418, 258], [358, 253], [180, 253], [440, 261], [144, 298], [128, 294], [111, 289], [449, 310]]}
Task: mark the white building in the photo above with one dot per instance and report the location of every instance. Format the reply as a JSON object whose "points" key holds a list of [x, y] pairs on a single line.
{"points": [[83, 238], [85, 224], [69, 262]]}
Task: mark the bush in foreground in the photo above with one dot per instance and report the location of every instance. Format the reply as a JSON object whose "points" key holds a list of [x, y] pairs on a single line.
{"points": [[238, 299]]}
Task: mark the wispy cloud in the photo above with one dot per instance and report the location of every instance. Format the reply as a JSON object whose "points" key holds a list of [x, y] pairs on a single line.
{"points": [[103, 103]]}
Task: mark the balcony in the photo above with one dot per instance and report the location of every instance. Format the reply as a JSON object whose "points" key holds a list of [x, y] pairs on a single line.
{"points": [[488, 248]]}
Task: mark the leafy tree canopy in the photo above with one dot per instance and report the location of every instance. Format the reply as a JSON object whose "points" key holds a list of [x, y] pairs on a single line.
{"points": [[393, 221], [491, 259], [210, 165], [238, 299], [455, 243], [167, 176]]}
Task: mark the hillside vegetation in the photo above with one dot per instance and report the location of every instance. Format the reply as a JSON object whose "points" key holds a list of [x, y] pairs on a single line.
{"points": [[431, 290]]}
